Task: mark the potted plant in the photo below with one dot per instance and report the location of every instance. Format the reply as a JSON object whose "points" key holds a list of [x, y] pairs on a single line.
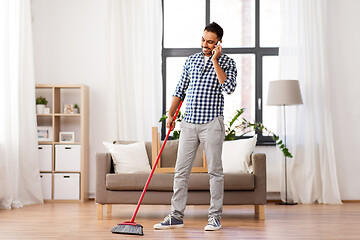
{"points": [[245, 126], [76, 108], [40, 104]]}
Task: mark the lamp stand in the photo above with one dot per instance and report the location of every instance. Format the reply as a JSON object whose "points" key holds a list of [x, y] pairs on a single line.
{"points": [[286, 200]]}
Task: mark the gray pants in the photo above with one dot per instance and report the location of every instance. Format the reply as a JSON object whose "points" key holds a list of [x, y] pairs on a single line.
{"points": [[211, 135]]}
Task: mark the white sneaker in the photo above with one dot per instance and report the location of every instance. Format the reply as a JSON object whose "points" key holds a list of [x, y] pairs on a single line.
{"points": [[213, 224]]}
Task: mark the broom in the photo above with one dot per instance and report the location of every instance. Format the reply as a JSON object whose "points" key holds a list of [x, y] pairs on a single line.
{"points": [[130, 227]]}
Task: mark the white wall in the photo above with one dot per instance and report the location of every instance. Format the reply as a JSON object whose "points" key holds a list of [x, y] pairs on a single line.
{"points": [[343, 37], [70, 47]]}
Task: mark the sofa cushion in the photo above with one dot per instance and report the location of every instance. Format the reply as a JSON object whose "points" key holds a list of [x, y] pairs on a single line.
{"points": [[164, 181], [129, 158], [147, 147], [236, 155]]}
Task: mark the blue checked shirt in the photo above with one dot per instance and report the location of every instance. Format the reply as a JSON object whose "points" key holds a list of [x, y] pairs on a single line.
{"points": [[205, 100]]}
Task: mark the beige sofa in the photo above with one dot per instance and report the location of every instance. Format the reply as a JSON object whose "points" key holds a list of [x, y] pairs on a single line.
{"points": [[239, 189]]}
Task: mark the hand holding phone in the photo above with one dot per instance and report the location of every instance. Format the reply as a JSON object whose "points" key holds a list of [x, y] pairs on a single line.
{"points": [[217, 49]]}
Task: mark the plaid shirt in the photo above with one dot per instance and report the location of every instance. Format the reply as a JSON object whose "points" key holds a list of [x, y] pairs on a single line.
{"points": [[205, 100]]}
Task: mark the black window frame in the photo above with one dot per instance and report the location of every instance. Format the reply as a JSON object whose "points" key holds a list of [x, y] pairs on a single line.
{"points": [[258, 51]]}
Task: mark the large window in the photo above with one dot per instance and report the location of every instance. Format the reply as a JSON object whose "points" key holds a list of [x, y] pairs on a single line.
{"points": [[251, 38]]}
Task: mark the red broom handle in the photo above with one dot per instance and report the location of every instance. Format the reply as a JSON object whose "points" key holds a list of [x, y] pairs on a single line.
{"points": [[155, 164]]}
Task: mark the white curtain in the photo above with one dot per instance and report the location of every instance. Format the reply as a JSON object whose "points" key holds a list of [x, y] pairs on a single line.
{"points": [[134, 35], [312, 173], [19, 161]]}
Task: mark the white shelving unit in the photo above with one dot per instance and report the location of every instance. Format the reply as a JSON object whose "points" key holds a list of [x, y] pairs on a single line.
{"points": [[65, 164]]}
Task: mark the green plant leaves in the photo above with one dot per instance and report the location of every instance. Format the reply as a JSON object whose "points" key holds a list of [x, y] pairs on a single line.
{"points": [[163, 118], [247, 127], [41, 100], [176, 134]]}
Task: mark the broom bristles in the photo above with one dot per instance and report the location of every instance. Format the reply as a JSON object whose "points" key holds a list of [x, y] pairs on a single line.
{"points": [[135, 229]]}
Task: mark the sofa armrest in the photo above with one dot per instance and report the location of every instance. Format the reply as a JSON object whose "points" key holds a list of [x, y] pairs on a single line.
{"points": [[259, 168], [103, 167]]}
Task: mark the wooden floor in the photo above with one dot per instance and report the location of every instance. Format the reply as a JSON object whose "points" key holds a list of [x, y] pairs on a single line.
{"points": [[78, 221]]}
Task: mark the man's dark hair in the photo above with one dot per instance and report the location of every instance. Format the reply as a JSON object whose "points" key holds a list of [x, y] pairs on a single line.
{"points": [[215, 28]]}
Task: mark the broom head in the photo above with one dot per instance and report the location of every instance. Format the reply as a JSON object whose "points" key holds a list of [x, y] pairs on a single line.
{"points": [[131, 228]]}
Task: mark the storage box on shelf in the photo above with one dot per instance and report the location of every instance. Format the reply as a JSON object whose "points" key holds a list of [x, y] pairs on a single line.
{"points": [[67, 158], [66, 186], [64, 164], [46, 183], [45, 154]]}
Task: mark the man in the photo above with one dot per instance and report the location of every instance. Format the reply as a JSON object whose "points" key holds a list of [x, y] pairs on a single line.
{"points": [[205, 76]]}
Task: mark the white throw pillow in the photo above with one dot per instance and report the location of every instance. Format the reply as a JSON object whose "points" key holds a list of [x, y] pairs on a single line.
{"points": [[236, 155], [129, 158]]}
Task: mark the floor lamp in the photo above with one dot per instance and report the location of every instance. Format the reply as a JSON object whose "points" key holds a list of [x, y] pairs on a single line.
{"points": [[282, 93]]}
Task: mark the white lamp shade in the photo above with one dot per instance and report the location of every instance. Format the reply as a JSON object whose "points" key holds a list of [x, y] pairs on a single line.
{"points": [[284, 92]]}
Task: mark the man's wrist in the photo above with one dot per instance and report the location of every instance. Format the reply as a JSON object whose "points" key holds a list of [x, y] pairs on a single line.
{"points": [[214, 60]]}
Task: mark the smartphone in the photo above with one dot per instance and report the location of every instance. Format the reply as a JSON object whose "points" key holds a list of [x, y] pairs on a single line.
{"points": [[217, 44]]}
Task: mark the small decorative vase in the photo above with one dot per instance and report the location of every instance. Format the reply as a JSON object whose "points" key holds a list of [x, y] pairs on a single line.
{"points": [[40, 108]]}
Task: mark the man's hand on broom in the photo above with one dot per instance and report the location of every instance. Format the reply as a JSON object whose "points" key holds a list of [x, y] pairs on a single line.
{"points": [[170, 123]]}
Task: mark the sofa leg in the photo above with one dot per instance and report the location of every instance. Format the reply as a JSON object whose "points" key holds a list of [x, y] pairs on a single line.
{"points": [[108, 208], [100, 211], [260, 212]]}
